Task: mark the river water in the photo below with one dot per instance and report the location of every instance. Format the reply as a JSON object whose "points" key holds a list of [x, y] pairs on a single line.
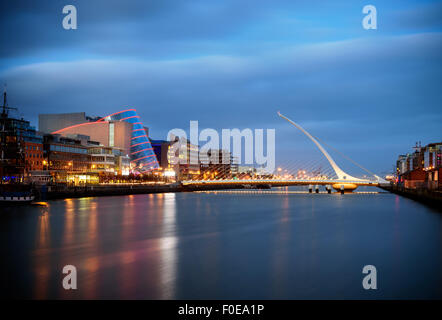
{"points": [[275, 244]]}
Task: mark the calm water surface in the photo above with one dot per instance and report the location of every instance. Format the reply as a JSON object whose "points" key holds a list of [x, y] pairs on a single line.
{"points": [[224, 245]]}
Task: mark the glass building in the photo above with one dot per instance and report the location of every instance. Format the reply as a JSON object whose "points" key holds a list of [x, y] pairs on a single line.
{"points": [[141, 151]]}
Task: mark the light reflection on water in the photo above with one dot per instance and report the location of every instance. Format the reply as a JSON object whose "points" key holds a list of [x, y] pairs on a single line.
{"points": [[249, 245]]}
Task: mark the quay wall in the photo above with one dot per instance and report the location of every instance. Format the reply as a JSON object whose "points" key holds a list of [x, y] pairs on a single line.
{"points": [[432, 198], [43, 193]]}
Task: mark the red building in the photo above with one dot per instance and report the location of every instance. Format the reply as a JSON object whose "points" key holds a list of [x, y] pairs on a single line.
{"points": [[421, 169], [33, 156]]}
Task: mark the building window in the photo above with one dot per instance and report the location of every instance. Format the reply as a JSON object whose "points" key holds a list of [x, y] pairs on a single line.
{"points": [[111, 134]]}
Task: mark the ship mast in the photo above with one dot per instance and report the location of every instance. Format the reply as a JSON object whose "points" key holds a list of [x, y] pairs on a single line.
{"points": [[5, 107]]}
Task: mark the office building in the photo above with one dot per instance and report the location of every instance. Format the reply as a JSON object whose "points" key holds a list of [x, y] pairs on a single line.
{"points": [[123, 130]]}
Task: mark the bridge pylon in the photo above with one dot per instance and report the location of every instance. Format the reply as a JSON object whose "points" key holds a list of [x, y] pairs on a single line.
{"points": [[341, 184]]}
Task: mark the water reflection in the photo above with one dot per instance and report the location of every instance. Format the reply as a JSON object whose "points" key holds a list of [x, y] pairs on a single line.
{"points": [[225, 245], [168, 246], [42, 266], [281, 247], [127, 255], [68, 232], [92, 262]]}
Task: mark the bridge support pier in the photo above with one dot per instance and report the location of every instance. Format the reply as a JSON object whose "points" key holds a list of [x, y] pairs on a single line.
{"points": [[328, 188], [342, 189], [317, 189], [310, 188]]}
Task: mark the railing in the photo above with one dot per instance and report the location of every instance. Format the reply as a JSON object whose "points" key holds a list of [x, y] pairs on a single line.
{"points": [[276, 181]]}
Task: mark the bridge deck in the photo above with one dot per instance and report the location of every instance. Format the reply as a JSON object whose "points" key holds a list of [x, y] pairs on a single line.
{"points": [[278, 182]]}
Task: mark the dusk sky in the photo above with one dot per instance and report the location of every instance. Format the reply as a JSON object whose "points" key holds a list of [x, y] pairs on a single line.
{"points": [[233, 64]]}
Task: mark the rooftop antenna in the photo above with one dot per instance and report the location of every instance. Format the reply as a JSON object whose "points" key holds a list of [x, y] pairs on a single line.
{"points": [[5, 103], [417, 147], [4, 99]]}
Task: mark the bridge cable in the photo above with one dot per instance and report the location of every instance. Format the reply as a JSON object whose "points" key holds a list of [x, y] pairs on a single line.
{"points": [[346, 157]]}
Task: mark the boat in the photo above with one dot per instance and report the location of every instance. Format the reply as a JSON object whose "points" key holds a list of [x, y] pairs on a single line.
{"points": [[11, 199], [16, 194]]}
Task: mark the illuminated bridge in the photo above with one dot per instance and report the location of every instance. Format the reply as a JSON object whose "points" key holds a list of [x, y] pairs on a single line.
{"points": [[343, 183]]}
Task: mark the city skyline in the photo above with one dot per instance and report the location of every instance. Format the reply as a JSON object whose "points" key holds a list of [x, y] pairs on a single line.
{"points": [[233, 65], [227, 156]]}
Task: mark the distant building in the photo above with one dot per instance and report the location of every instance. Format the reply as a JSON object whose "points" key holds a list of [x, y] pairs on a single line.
{"points": [[402, 164], [161, 149], [217, 164], [246, 169], [422, 168], [183, 157]]}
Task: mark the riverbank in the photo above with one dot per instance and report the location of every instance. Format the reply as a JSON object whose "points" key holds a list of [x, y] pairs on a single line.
{"points": [[43, 193], [428, 197]]}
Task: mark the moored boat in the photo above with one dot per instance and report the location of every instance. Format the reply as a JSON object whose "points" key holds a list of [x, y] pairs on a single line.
{"points": [[16, 198]]}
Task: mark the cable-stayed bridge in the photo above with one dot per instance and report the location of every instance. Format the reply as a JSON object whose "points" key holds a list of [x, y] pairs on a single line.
{"points": [[344, 181]]}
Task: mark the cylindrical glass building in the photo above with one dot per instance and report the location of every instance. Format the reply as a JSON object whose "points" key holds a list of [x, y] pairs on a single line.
{"points": [[141, 151]]}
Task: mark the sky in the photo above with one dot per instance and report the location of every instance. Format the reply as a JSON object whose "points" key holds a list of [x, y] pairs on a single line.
{"points": [[371, 94]]}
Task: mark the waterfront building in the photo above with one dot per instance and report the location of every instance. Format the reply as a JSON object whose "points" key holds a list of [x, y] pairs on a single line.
{"points": [[143, 158], [401, 164], [77, 159], [33, 150], [123, 130], [108, 160], [65, 156], [183, 157], [109, 133], [433, 165], [217, 164], [161, 149], [21, 146], [420, 169]]}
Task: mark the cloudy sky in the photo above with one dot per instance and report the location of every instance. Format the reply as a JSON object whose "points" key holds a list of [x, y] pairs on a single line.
{"points": [[233, 64]]}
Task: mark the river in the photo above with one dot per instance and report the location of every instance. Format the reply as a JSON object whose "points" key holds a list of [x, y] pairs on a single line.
{"points": [[274, 244]]}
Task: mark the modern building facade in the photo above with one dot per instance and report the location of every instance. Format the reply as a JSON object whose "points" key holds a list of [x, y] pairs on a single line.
{"points": [[422, 168], [123, 130], [52, 122], [161, 149], [217, 164], [109, 133], [108, 160], [141, 152], [183, 158], [65, 154]]}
